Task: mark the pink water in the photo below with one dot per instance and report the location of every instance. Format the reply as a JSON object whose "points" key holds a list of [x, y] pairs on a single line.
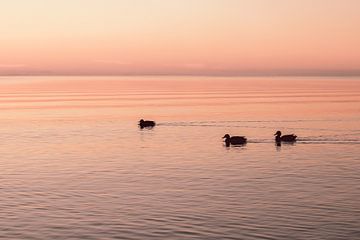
{"points": [[74, 164]]}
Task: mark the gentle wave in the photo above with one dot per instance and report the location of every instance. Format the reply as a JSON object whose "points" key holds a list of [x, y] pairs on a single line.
{"points": [[84, 170]]}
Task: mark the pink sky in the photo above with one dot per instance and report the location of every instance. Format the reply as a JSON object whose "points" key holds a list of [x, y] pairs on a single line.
{"points": [[202, 37]]}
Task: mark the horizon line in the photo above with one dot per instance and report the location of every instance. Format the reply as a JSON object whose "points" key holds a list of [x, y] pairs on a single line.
{"points": [[186, 75]]}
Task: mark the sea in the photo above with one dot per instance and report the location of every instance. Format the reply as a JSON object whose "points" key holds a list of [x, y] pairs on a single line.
{"points": [[74, 163]]}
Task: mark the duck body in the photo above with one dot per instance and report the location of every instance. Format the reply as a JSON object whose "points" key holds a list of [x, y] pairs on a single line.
{"points": [[235, 140], [284, 138], [146, 124]]}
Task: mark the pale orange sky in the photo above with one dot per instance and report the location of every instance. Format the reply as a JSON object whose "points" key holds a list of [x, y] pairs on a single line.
{"points": [[201, 37]]}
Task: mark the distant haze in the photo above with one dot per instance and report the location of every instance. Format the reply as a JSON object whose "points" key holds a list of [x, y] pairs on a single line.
{"points": [[180, 37]]}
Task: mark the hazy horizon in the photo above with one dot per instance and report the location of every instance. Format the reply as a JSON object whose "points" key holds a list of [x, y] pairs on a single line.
{"points": [[159, 74], [205, 37]]}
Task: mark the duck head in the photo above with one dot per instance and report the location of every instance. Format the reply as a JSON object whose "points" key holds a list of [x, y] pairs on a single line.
{"points": [[278, 133], [141, 121], [227, 136]]}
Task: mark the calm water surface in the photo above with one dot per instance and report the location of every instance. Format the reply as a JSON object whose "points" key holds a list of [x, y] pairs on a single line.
{"points": [[74, 165]]}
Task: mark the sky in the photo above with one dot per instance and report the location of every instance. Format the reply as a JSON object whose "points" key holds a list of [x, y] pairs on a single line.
{"points": [[180, 37]]}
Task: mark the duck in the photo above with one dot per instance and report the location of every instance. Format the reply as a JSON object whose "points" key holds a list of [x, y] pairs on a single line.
{"points": [[146, 124], [235, 140], [284, 138]]}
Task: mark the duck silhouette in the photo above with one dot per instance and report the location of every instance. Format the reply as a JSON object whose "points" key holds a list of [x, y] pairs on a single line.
{"points": [[235, 140], [285, 138], [146, 124]]}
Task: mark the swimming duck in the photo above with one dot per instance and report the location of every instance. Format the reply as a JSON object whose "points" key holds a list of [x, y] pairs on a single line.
{"points": [[235, 140], [146, 124], [284, 138]]}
